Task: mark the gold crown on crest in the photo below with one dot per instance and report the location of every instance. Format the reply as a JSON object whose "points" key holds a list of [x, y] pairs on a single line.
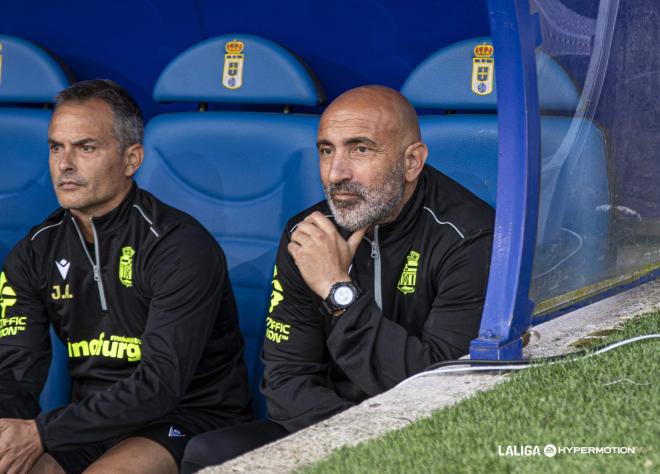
{"points": [[234, 47], [483, 50]]}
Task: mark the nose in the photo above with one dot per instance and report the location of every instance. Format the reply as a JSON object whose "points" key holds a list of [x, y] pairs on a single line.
{"points": [[65, 161], [340, 168]]}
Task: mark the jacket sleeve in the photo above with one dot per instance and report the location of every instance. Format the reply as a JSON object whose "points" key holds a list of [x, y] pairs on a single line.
{"points": [[187, 273], [24, 339], [296, 382], [377, 353]]}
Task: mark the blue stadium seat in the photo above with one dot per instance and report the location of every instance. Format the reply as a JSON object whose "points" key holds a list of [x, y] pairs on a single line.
{"points": [[242, 174], [463, 144], [29, 78]]}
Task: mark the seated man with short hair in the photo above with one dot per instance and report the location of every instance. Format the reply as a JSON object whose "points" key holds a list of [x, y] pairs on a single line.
{"points": [[385, 278], [139, 293]]}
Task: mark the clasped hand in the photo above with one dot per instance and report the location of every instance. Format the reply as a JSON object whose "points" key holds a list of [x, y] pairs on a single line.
{"points": [[321, 254]]}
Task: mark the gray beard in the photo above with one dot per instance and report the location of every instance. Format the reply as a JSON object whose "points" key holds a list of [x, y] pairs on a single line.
{"points": [[372, 206]]}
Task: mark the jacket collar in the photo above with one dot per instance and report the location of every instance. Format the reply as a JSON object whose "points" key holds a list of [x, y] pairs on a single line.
{"points": [[407, 218], [405, 221], [116, 217]]}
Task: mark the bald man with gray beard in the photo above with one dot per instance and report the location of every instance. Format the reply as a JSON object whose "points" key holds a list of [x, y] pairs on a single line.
{"points": [[382, 279]]}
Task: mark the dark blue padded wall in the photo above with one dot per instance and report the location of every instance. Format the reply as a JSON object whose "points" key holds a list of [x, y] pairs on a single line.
{"points": [[346, 43], [28, 75], [241, 174]]}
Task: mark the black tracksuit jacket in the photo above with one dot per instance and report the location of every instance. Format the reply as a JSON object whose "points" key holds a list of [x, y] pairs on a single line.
{"points": [[423, 280], [148, 317]]}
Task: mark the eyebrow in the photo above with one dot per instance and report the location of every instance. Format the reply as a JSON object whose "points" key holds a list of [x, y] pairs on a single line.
{"points": [[365, 140], [82, 141], [351, 141]]}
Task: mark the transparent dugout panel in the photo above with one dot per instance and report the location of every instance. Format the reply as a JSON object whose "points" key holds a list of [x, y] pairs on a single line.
{"points": [[599, 213]]}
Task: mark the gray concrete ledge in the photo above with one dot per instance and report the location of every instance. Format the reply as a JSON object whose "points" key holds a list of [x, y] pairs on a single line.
{"points": [[402, 405]]}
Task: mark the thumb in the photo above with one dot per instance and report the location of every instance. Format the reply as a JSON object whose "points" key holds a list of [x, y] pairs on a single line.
{"points": [[354, 240]]}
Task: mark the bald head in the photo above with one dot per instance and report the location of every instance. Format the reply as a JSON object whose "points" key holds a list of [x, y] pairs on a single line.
{"points": [[370, 155], [396, 112]]}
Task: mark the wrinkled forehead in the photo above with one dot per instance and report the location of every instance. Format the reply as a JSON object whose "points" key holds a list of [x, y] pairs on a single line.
{"points": [[91, 117], [359, 117], [91, 111]]}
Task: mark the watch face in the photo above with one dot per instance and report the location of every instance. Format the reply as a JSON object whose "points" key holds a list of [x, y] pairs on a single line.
{"points": [[344, 295]]}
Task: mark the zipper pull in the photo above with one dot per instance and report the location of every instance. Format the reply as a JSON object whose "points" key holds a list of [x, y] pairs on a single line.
{"points": [[374, 244], [97, 273], [374, 249]]}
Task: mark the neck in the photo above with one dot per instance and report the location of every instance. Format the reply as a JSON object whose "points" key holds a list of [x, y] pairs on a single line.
{"points": [[84, 215], [408, 191], [84, 223]]}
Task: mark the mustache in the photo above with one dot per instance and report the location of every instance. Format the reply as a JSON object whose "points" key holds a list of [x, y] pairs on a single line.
{"points": [[346, 187], [70, 178]]}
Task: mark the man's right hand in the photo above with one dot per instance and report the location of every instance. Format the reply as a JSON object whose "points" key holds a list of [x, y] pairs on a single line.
{"points": [[20, 445], [321, 254]]}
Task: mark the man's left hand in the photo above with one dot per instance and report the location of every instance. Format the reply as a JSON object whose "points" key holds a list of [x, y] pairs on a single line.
{"points": [[321, 254], [20, 445]]}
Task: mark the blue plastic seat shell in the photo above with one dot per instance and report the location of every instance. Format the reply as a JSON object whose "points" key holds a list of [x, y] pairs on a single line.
{"points": [[28, 74], [443, 81], [242, 175], [271, 75]]}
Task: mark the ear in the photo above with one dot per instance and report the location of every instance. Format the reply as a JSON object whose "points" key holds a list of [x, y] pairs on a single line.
{"points": [[134, 156], [415, 157]]}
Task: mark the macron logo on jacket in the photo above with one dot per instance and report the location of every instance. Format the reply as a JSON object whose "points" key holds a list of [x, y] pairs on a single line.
{"points": [[63, 267]]}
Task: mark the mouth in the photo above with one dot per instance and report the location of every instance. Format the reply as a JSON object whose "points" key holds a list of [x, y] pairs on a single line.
{"points": [[69, 185], [346, 200], [345, 196]]}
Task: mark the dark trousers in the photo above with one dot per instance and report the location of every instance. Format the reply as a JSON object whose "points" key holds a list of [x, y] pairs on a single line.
{"points": [[216, 447]]}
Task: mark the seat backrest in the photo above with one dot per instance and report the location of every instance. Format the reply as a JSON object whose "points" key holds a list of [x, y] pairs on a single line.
{"points": [[241, 174], [463, 144], [29, 77]]}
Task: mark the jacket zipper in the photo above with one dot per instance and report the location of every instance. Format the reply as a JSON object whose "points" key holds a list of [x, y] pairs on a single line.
{"points": [[375, 254], [96, 266]]}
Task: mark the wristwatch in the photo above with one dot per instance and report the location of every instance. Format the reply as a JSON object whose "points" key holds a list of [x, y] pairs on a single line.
{"points": [[341, 296]]}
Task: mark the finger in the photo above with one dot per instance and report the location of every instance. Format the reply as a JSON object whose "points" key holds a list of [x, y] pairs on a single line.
{"points": [[297, 238], [314, 216], [300, 237], [4, 464], [354, 240], [309, 232], [18, 468], [322, 222], [309, 228], [293, 251]]}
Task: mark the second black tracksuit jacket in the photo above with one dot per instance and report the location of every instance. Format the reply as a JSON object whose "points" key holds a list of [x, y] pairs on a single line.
{"points": [[423, 280]]}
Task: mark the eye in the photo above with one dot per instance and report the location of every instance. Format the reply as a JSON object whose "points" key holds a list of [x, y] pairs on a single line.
{"points": [[325, 151], [54, 148], [87, 148], [361, 149]]}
